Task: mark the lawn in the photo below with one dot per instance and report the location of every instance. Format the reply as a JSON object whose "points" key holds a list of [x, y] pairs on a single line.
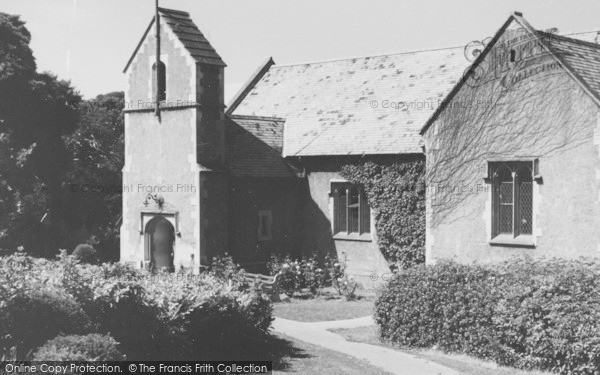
{"points": [[302, 358], [462, 363], [321, 310]]}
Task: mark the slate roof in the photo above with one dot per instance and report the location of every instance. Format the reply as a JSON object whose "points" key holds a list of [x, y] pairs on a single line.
{"points": [[188, 33], [587, 36], [581, 56], [578, 55], [329, 106], [254, 147]]}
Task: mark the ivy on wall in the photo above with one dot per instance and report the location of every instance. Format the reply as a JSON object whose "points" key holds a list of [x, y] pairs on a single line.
{"points": [[396, 194]]}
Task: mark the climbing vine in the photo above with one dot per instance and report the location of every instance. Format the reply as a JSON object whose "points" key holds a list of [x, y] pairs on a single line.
{"points": [[396, 193]]}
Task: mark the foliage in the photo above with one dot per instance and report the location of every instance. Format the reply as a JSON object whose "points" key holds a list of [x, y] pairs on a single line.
{"points": [[396, 194], [86, 253], [97, 147], [532, 314], [50, 141], [151, 316], [296, 275], [92, 347], [311, 274], [32, 318], [35, 163], [17, 57], [224, 268], [346, 286]]}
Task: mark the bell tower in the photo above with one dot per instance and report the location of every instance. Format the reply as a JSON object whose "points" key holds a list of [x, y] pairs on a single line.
{"points": [[173, 177]]}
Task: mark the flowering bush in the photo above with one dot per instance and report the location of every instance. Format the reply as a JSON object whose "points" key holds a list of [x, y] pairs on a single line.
{"points": [[530, 314], [225, 268], [297, 275], [310, 274], [345, 285]]}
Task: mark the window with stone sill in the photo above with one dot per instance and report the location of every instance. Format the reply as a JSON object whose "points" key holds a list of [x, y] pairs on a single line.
{"points": [[351, 212], [512, 201]]}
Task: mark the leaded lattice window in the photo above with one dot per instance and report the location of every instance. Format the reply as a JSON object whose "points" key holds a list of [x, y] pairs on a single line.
{"points": [[512, 198]]}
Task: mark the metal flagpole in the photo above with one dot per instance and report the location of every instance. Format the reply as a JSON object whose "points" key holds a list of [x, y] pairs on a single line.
{"points": [[157, 64]]}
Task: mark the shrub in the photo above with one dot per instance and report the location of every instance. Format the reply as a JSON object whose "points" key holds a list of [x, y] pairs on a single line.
{"points": [[115, 298], [31, 318], [309, 274], [128, 314], [528, 314], [550, 316], [205, 317], [92, 347], [224, 268], [345, 285], [298, 275], [433, 306], [152, 316], [86, 254]]}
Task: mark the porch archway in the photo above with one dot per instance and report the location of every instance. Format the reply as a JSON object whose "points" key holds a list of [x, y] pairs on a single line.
{"points": [[160, 238]]}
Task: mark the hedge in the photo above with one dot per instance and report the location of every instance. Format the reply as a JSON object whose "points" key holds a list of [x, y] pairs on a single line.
{"points": [[529, 314]]}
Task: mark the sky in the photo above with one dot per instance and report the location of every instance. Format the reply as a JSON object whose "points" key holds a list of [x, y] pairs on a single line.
{"points": [[89, 41]]}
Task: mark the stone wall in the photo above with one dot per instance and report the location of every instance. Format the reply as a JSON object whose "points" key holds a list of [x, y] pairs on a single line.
{"points": [[524, 110]]}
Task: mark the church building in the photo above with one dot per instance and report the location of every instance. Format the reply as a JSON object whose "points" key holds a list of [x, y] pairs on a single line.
{"points": [[261, 175]]}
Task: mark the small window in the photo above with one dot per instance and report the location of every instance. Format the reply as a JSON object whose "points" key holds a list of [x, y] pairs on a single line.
{"points": [[265, 223], [161, 90], [513, 55], [211, 85], [512, 198], [351, 212]]}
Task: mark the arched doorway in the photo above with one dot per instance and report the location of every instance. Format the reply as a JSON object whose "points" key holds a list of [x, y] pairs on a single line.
{"points": [[160, 235]]}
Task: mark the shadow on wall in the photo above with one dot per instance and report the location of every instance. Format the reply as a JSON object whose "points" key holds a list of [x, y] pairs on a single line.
{"points": [[317, 236], [279, 204]]}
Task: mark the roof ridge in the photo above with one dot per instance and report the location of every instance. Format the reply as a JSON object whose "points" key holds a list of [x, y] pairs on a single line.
{"points": [[368, 56], [249, 85], [581, 32], [566, 38], [423, 50], [251, 117], [168, 10]]}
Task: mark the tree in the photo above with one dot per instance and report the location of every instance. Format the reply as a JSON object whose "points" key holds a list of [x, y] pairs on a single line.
{"points": [[94, 197], [36, 111]]}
